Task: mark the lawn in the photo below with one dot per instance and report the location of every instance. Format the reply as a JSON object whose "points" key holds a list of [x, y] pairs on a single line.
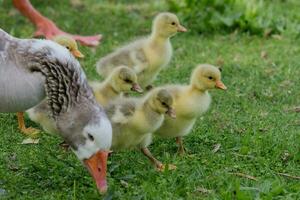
{"points": [[254, 123]]}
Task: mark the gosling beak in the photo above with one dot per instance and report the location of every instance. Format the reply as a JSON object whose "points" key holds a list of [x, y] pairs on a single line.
{"points": [[137, 88], [97, 168], [220, 85], [77, 53], [171, 112], [181, 28]]}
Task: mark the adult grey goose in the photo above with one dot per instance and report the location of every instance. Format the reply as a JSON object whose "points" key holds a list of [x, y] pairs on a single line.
{"points": [[32, 69]]}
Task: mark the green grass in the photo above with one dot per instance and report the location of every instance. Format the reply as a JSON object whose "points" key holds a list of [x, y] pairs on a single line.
{"points": [[253, 121]]}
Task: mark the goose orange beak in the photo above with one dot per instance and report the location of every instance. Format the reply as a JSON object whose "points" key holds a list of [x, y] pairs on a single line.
{"points": [[181, 28], [137, 88], [220, 85], [77, 53], [96, 165]]}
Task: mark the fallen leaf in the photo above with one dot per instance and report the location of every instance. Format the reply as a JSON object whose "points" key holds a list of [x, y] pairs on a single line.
{"points": [[268, 93], [171, 167], [240, 130], [286, 83], [242, 155], [203, 190], [297, 123], [234, 34], [245, 176], [220, 61], [295, 109], [264, 114], [262, 129], [264, 54], [285, 156], [13, 167], [30, 141], [12, 12], [65, 146], [277, 37], [216, 148], [128, 177], [289, 176], [191, 155], [93, 50], [237, 58], [268, 32], [76, 3], [270, 71], [13, 157], [124, 183]]}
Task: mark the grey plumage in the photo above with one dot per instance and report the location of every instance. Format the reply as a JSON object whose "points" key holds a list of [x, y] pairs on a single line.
{"points": [[56, 75]]}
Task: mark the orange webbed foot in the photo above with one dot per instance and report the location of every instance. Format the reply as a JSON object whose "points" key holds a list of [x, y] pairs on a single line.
{"points": [[48, 29]]}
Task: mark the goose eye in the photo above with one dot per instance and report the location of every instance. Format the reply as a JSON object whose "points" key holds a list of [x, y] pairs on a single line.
{"points": [[173, 23], [90, 137], [210, 78]]}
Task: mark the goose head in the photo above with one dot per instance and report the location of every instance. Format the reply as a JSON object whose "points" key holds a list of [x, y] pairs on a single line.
{"points": [[162, 102], [69, 43], [90, 137], [166, 25], [124, 79], [207, 77]]}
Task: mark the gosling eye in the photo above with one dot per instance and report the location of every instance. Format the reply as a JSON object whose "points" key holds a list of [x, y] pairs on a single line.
{"points": [[91, 137], [210, 78], [68, 47], [173, 23], [164, 104], [128, 81]]}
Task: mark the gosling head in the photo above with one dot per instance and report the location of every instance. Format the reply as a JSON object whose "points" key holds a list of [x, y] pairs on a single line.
{"points": [[124, 79], [207, 77], [69, 43], [89, 133], [166, 25], [162, 102]]}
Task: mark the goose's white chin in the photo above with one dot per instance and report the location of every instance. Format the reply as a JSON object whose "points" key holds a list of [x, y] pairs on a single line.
{"points": [[102, 139]]}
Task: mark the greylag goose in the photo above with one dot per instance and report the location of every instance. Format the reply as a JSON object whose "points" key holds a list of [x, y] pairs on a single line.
{"points": [[147, 56], [31, 70], [69, 43]]}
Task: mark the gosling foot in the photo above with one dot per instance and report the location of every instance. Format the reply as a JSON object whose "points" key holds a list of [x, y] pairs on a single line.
{"points": [[162, 167]]}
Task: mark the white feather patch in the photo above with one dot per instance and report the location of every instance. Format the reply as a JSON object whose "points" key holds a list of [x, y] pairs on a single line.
{"points": [[102, 134]]}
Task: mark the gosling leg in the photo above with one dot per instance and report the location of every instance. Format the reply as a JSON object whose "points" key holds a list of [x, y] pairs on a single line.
{"points": [[181, 149], [27, 131]]}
